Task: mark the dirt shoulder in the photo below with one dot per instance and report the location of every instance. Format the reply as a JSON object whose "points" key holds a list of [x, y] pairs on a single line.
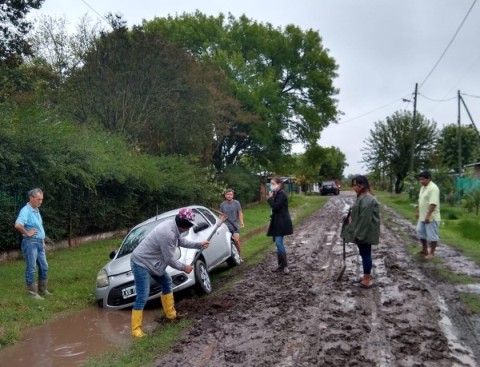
{"points": [[308, 318]]}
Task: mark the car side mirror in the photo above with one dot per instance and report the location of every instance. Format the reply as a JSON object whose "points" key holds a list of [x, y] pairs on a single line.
{"points": [[112, 254], [200, 227]]}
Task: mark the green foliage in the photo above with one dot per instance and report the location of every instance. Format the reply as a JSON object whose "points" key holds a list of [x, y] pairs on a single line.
{"points": [[13, 45], [153, 93], [283, 76], [92, 180], [472, 201], [245, 185], [468, 228], [448, 146], [389, 147]]}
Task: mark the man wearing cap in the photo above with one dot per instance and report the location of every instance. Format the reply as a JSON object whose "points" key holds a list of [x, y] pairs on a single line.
{"points": [[151, 258], [428, 214]]}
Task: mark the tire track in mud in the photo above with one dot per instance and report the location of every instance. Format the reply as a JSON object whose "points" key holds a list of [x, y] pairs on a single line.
{"points": [[308, 318]]}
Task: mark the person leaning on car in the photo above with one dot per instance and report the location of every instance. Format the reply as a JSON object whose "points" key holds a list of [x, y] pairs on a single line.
{"points": [[151, 258]]}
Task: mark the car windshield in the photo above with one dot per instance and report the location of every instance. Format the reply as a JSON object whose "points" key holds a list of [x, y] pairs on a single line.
{"points": [[136, 236]]}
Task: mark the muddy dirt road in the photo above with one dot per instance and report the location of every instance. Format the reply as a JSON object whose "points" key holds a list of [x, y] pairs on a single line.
{"points": [[309, 319]]}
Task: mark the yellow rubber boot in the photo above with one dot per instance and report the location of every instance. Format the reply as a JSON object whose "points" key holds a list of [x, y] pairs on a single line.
{"points": [[168, 305], [137, 316]]}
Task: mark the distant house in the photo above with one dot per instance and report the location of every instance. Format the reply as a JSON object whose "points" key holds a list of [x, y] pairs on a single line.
{"points": [[472, 169]]}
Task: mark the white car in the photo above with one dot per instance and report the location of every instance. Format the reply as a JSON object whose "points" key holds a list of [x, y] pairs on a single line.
{"points": [[115, 288]]}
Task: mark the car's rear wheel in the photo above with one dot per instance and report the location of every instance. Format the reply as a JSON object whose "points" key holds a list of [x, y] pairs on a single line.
{"points": [[234, 259], [203, 284]]}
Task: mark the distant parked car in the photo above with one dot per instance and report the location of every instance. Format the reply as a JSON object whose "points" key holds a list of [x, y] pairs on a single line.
{"points": [[115, 288], [329, 187]]}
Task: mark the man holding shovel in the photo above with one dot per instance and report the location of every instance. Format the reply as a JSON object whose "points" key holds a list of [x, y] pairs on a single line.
{"points": [[151, 258]]}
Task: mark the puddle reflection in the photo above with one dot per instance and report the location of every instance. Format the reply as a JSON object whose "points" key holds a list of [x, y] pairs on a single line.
{"points": [[71, 340]]}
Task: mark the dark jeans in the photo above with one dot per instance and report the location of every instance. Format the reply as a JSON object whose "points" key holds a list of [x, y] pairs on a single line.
{"points": [[366, 255]]}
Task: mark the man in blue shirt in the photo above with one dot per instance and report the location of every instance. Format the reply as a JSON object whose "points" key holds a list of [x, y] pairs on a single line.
{"points": [[29, 223]]}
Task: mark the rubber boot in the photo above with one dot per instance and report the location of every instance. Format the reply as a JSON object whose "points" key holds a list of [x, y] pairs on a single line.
{"points": [[168, 304], [137, 317], [285, 269], [32, 290], [42, 288], [279, 268]]}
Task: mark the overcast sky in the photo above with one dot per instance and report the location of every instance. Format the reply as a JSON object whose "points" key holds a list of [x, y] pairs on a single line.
{"points": [[382, 48]]}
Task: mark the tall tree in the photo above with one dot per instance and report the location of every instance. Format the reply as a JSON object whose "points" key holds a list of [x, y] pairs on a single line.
{"points": [[447, 146], [13, 29], [154, 93], [388, 148], [284, 76]]}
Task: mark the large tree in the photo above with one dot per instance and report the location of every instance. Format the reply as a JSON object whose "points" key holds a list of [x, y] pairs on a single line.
{"points": [[154, 93], [284, 76], [13, 29], [388, 149]]}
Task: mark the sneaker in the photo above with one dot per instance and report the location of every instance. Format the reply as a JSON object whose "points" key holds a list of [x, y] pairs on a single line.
{"points": [[36, 296]]}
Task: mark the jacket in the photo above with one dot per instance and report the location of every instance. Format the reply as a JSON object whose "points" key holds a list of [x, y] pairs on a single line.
{"points": [[363, 227], [280, 221]]}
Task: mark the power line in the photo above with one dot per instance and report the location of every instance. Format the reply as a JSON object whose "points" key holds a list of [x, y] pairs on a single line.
{"points": [[437, 100], [372, 111], [449, 44], [96, 12]]}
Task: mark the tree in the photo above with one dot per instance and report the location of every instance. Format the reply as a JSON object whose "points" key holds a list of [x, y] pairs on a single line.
{"points": [[283, 76], [447, 146], [388, 149], [154, 93], [63, 51], [319, 163], [14, 27]]}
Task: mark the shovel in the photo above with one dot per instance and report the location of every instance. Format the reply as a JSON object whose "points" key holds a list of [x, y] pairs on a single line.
{"points": [[346, 220], [344, 265], [217, 226]]}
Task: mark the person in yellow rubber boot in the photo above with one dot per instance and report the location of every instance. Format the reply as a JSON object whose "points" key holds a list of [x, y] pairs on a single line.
{"points": [[150, 259]]}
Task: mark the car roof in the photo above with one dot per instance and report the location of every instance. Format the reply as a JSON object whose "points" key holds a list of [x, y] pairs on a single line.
{"points": [[168, 214]]}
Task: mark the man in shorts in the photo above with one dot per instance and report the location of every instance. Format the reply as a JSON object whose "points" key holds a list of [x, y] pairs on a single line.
{"points": [[233, 210], [428, 214]]}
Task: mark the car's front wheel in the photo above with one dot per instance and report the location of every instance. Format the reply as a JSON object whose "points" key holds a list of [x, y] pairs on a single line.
{"points": [[203, 284], [234, 259]]}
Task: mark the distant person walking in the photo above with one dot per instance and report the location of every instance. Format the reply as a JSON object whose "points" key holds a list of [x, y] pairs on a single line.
{"points": [[150, 259], [363, 226], [428, 214], [29, 223], [280, 221], [233, 210]]}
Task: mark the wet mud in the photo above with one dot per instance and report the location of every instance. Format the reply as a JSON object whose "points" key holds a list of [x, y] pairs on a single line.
{"points": [[307, 318]]}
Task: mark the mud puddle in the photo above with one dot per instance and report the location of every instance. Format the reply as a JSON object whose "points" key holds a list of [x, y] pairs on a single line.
{"points": [[69, 341]]}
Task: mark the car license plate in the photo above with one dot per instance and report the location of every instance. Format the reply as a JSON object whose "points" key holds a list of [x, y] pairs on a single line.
{"points": [[128, 292]]}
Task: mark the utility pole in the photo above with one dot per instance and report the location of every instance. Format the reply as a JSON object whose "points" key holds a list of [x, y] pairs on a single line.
{"points": [[459, 137], [414, 129]]}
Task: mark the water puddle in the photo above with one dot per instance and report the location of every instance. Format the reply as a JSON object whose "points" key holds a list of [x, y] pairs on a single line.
{"points": [[71, 340]]}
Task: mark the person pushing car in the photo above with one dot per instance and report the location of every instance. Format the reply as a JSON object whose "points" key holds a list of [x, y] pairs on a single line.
{"points": [[150, 259]]}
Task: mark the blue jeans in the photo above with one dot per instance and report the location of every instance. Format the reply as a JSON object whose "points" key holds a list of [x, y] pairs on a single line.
{"points": [[142, 284], [366, 255], [279, 243], [34, 253]]}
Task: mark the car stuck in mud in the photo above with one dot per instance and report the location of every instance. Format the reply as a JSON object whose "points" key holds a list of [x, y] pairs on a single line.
{"points": [[115, 288]]}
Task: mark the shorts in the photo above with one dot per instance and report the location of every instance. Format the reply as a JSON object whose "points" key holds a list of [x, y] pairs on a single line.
{"points": [[428, 231]]}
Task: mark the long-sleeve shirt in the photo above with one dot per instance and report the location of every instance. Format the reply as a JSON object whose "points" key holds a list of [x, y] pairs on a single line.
{"points": [[157, 249]]}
